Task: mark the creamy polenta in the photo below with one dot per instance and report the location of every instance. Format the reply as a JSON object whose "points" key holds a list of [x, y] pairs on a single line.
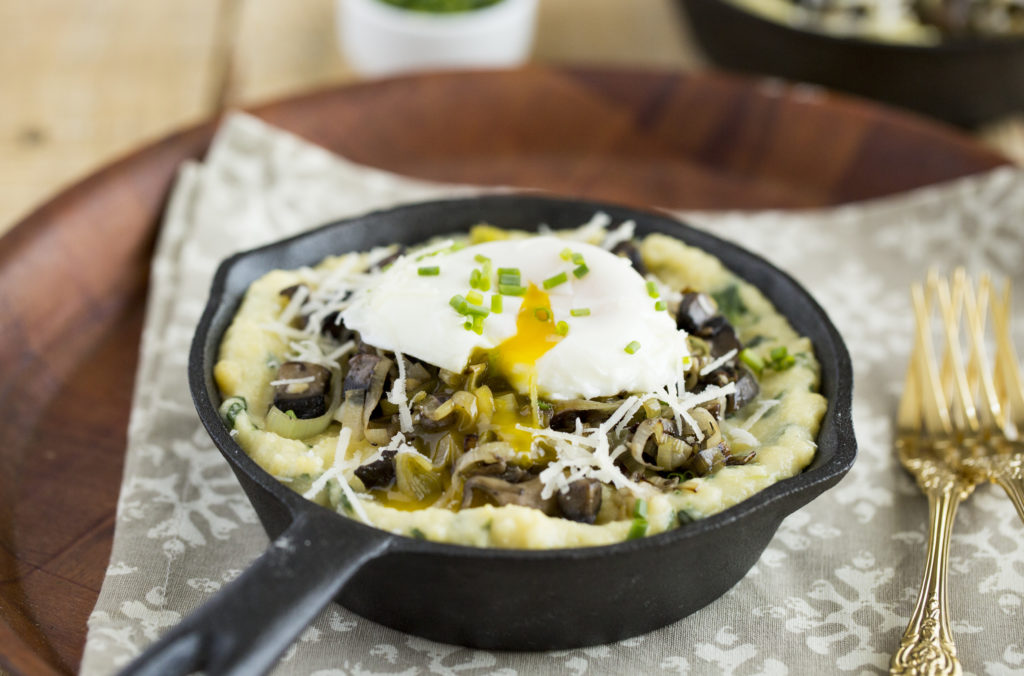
{"points": [[495, 454]]}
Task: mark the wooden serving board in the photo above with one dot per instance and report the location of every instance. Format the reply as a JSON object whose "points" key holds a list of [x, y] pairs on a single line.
{"points": [[73, 274]]}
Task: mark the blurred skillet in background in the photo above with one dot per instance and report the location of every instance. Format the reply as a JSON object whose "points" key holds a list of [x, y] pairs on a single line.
{"points": [[962, 79]]}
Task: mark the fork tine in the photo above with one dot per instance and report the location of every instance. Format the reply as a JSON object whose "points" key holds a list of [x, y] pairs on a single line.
{"points": [[954, 377], [1007, 376], [909, 416], [935, 414], [979, 369]]}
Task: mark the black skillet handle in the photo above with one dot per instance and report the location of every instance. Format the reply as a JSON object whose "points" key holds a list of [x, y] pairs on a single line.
{"points": [[248, 624]]}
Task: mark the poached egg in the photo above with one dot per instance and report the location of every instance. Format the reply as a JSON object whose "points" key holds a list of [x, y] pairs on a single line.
{"points": [[579, 321]]}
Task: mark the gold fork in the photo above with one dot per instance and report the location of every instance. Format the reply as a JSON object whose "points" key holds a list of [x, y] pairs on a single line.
{"points": [[925, 444], [1000, 390], [950, 444]]}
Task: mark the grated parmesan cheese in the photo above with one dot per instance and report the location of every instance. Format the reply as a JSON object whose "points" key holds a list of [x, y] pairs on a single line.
{"points": [[621, 234], [337, 471], [398, 397], [718, 362], [763, 407], [292, 381]]}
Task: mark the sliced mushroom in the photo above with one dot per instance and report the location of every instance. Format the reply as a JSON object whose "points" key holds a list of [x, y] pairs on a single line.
{"points": [[501, 493], [494, 453], [747, 390], [307, 395], [380, 473], [581, 501], [363, 386], [720, 336], [695, 310], [708, 460], [566, 413], [629, 249], [333, 326]]}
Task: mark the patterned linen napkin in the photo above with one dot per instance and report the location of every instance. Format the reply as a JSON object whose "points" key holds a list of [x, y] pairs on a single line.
{"points": [[831, 594]]}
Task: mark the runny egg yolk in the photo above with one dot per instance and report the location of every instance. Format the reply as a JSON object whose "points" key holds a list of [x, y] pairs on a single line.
{"points": [[535, 334]]}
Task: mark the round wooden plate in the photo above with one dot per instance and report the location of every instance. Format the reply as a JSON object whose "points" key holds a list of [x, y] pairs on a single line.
{"points": [[73, 274]]}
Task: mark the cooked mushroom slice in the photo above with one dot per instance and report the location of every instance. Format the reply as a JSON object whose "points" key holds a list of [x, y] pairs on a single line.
{"points": [[695, 310], [740, 459], [304, 391], [333, 326], [747, 390], [380, 473], [708, 460], [582, 501], [566, 413], [363, 386], [720, 336], [629, 249], [495, 455], [501, 493]]}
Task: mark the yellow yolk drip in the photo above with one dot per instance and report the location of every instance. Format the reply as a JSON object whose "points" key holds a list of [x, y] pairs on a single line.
{"points": [[517, 356], [504, 424]]}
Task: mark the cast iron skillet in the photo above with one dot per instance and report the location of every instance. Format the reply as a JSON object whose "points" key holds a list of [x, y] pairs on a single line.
{"points": [[963, 81], [483, 598]]}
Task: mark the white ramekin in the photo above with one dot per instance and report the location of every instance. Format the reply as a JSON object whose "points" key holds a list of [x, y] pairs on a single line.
{"points": [[379, 39]]}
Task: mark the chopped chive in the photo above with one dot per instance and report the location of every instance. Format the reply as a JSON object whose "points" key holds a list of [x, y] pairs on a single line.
{"points": [[552, 282], [652, 290], [291, 414], [496, 304], [580, 270], [541, 313], [638, 529], [475, 297], [476, 310], [566, 254], [459, 303], [580, 312], [640, 509], [474, 279], [458, 246], [508, 271], [480, 258], [632, 347], [751, 360], [509, 279], [660, 305], [779, 353], [478, 324], [562, 328], [468, 325], [577, 258], [511, 290], [429, 271]]}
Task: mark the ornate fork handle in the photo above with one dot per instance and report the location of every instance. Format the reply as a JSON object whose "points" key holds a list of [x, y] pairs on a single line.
{"points": [[927, 645], [1008, 472]]}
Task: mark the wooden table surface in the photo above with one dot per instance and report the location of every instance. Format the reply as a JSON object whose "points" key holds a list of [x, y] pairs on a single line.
{"points": [[84, 82]]}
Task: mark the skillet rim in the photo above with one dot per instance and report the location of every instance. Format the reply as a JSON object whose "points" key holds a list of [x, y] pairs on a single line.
{"points": [[813, 481]]}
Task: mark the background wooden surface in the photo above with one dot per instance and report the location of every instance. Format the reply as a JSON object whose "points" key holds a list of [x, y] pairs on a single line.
{"points": [[83, 82]]}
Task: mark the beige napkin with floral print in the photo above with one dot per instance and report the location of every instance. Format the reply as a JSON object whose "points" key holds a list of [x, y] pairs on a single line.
{"points": [[831, 594]]}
